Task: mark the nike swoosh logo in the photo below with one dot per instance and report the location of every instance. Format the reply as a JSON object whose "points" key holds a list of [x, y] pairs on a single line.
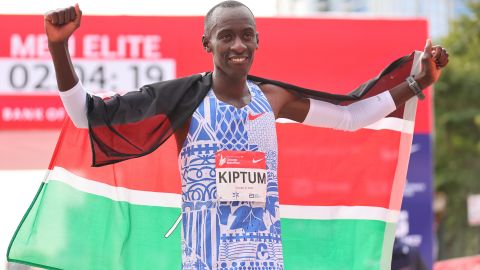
{"points": [[252, 117], [257, 160]]}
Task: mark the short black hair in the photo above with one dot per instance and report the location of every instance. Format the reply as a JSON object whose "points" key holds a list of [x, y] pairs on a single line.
{"points": [[207, 25]]}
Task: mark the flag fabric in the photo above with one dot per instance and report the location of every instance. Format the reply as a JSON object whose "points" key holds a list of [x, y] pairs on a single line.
{"points": [[340, 196], [161, 108]]}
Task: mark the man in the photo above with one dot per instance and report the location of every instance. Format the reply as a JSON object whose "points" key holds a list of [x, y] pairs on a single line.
{"points": [[235, 119]]}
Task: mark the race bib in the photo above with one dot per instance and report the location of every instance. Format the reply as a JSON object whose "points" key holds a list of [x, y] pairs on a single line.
{"points": [[241, 176]]}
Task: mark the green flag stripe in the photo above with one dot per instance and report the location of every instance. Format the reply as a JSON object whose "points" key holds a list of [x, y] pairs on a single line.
{"points": [[334, 244], [61, 230], [118, 244]]}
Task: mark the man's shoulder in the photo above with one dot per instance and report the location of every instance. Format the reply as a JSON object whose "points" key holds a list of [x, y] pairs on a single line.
{"points": [[268, 87], [275, 92]]}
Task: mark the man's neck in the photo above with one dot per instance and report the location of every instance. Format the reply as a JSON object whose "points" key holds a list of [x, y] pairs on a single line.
{"points": [[232, 90]]}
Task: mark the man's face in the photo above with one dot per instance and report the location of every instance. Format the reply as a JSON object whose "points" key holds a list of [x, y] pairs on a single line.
{"points": [[233, 40]]}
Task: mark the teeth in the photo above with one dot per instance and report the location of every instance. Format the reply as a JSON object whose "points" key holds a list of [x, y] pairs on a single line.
{"points": [[238, 60]]}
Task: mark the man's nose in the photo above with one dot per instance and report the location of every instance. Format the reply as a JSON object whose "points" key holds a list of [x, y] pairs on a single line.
{"points": [[238, 46]]}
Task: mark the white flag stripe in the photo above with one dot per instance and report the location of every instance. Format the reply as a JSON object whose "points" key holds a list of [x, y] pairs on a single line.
{"points": [[393, 123], [174, 226], [115, 193], [174, 200], [339, 212], [387, 123]]}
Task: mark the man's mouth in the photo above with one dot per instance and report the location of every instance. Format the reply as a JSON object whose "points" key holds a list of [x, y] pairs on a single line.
{"points": [[238, 59]]}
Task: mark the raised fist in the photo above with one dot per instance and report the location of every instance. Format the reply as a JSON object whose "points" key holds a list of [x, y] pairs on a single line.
{"points": [[433, 60], [61, 23]]}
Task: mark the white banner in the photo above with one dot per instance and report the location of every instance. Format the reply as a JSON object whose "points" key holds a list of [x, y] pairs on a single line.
{"points": [[97, 76]]}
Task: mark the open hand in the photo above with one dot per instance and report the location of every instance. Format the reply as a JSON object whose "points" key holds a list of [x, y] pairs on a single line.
{"points": [[61, 23]]}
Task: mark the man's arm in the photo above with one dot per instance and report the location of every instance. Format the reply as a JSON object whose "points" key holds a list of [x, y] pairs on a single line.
{"points": [[59, 26], [286, 104]]}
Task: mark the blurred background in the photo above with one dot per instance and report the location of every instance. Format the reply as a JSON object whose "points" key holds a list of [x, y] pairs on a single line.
{"points": [[440, 220]]}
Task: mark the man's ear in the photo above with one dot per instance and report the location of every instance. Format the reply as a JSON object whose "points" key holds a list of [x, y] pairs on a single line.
{"points": [[258, 40], [205, 44]]}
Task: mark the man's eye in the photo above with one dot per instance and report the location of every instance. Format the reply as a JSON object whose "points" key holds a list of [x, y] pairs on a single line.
{"points": [[248, 36], [226, 37]]}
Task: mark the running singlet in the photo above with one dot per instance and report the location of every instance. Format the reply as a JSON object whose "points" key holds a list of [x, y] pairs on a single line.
{"points": [[229, 234]]}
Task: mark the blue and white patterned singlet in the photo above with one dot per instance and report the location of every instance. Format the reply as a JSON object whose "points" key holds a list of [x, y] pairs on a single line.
{"points": [[229, 235]]}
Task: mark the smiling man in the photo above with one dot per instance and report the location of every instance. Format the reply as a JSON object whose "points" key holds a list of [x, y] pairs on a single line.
{"points": [[227, 143]]}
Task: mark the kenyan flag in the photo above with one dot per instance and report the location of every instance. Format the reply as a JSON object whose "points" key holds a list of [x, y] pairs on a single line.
{"points": [[340, 196], [112, 217]]}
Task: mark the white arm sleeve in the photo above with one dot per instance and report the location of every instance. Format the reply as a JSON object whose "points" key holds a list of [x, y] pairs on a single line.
{"points": [[351, 117], [75, 103]]}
